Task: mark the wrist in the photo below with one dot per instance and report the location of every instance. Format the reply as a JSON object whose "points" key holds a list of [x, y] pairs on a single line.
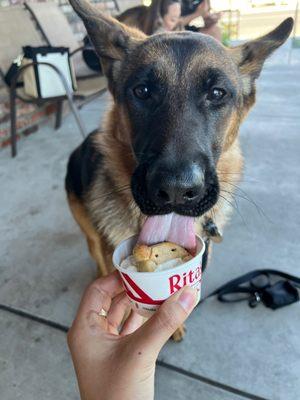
{"points": [[135, 387], [123, 382]]}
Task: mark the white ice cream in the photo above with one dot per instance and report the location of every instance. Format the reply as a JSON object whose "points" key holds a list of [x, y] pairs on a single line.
{"points": [[129, 263]]}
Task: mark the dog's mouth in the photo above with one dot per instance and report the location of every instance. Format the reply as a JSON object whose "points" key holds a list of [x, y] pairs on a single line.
{"points": [[174, 223], [171, 227]]}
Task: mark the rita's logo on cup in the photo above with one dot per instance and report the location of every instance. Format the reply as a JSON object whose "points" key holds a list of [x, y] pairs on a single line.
{"points": [[177, 281], [140, 292]]}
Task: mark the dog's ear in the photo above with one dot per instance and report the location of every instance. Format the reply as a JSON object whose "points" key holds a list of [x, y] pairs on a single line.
{"points": [[251, 55], [112, 40], [249, 58]]}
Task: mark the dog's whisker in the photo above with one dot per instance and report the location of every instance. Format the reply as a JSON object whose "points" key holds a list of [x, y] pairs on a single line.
{"points": [[237, 180], [232, 196], [237, 188], [241, 173], [214, 213], [228, 201], [236, 209], [259, 209], [230, 173], [247, 197]]}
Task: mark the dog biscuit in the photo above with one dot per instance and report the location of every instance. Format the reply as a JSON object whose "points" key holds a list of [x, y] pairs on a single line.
{"points": [[149, 257]]}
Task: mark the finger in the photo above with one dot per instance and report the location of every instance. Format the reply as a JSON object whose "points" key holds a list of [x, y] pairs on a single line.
{"points": [[83, 327], [171, 314], [96, 322], [98, 295], [134, 322], [119, 309]]}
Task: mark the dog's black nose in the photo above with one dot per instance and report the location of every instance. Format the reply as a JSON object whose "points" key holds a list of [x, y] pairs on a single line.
{"points": [[183, 186]]}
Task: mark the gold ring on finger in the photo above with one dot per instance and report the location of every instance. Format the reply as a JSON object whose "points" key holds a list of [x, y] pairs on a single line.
{"points": [[102, 313]]}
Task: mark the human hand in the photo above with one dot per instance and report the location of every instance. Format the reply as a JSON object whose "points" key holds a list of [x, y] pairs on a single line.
{"points": [[113, 362], [202, 9], [214, 17]]}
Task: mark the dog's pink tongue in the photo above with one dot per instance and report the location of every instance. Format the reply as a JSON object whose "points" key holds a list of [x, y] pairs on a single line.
{"points": [[171, 227]]}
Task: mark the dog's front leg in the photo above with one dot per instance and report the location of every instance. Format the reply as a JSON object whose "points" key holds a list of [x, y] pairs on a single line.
{"points": [[99, 251], [178, 335], [98, 247]]}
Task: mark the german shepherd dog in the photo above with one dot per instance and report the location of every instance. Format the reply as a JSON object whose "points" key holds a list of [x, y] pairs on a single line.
{"points": [[170, 140]]}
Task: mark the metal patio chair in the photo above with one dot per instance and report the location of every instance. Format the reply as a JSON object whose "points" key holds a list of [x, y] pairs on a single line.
{"points": [[17, 29], [57, 31]]}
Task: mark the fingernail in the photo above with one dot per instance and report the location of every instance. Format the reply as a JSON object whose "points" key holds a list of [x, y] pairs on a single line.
{"points": [[187, 299]]}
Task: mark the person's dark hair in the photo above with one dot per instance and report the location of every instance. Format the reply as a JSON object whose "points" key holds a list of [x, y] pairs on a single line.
{"points": [[157, 10]]}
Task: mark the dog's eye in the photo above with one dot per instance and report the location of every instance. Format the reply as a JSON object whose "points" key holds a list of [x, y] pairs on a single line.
{"points": [[216, 94], [141, 92]]}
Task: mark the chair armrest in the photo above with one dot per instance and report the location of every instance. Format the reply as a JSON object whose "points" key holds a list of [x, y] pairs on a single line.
{"points": [[76, 51], [69, 93]]}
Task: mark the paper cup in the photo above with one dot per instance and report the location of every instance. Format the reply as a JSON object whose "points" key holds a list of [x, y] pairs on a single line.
{"points": [[148, 290]]}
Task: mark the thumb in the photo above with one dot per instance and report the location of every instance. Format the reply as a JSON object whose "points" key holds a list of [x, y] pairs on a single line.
{"points": [[171, 314]]}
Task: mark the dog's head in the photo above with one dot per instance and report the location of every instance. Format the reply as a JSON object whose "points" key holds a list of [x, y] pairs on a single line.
{"points": [[182, 96]]}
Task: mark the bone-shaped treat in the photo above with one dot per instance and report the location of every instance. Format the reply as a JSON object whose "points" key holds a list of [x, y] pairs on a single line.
{"points": [[149, 257]]}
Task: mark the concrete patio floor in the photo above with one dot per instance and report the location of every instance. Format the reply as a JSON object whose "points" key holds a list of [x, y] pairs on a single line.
{"points": [[230, 352]]}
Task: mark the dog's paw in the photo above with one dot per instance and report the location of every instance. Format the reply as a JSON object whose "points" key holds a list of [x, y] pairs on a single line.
{"points": [[178, 335]]}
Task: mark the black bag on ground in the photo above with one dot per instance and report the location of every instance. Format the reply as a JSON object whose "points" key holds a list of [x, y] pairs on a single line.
{"points": [[260, 286], [280, 294]]}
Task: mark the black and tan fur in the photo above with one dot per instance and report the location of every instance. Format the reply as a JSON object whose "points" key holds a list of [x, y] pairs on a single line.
{"points": [[104, 173]]}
